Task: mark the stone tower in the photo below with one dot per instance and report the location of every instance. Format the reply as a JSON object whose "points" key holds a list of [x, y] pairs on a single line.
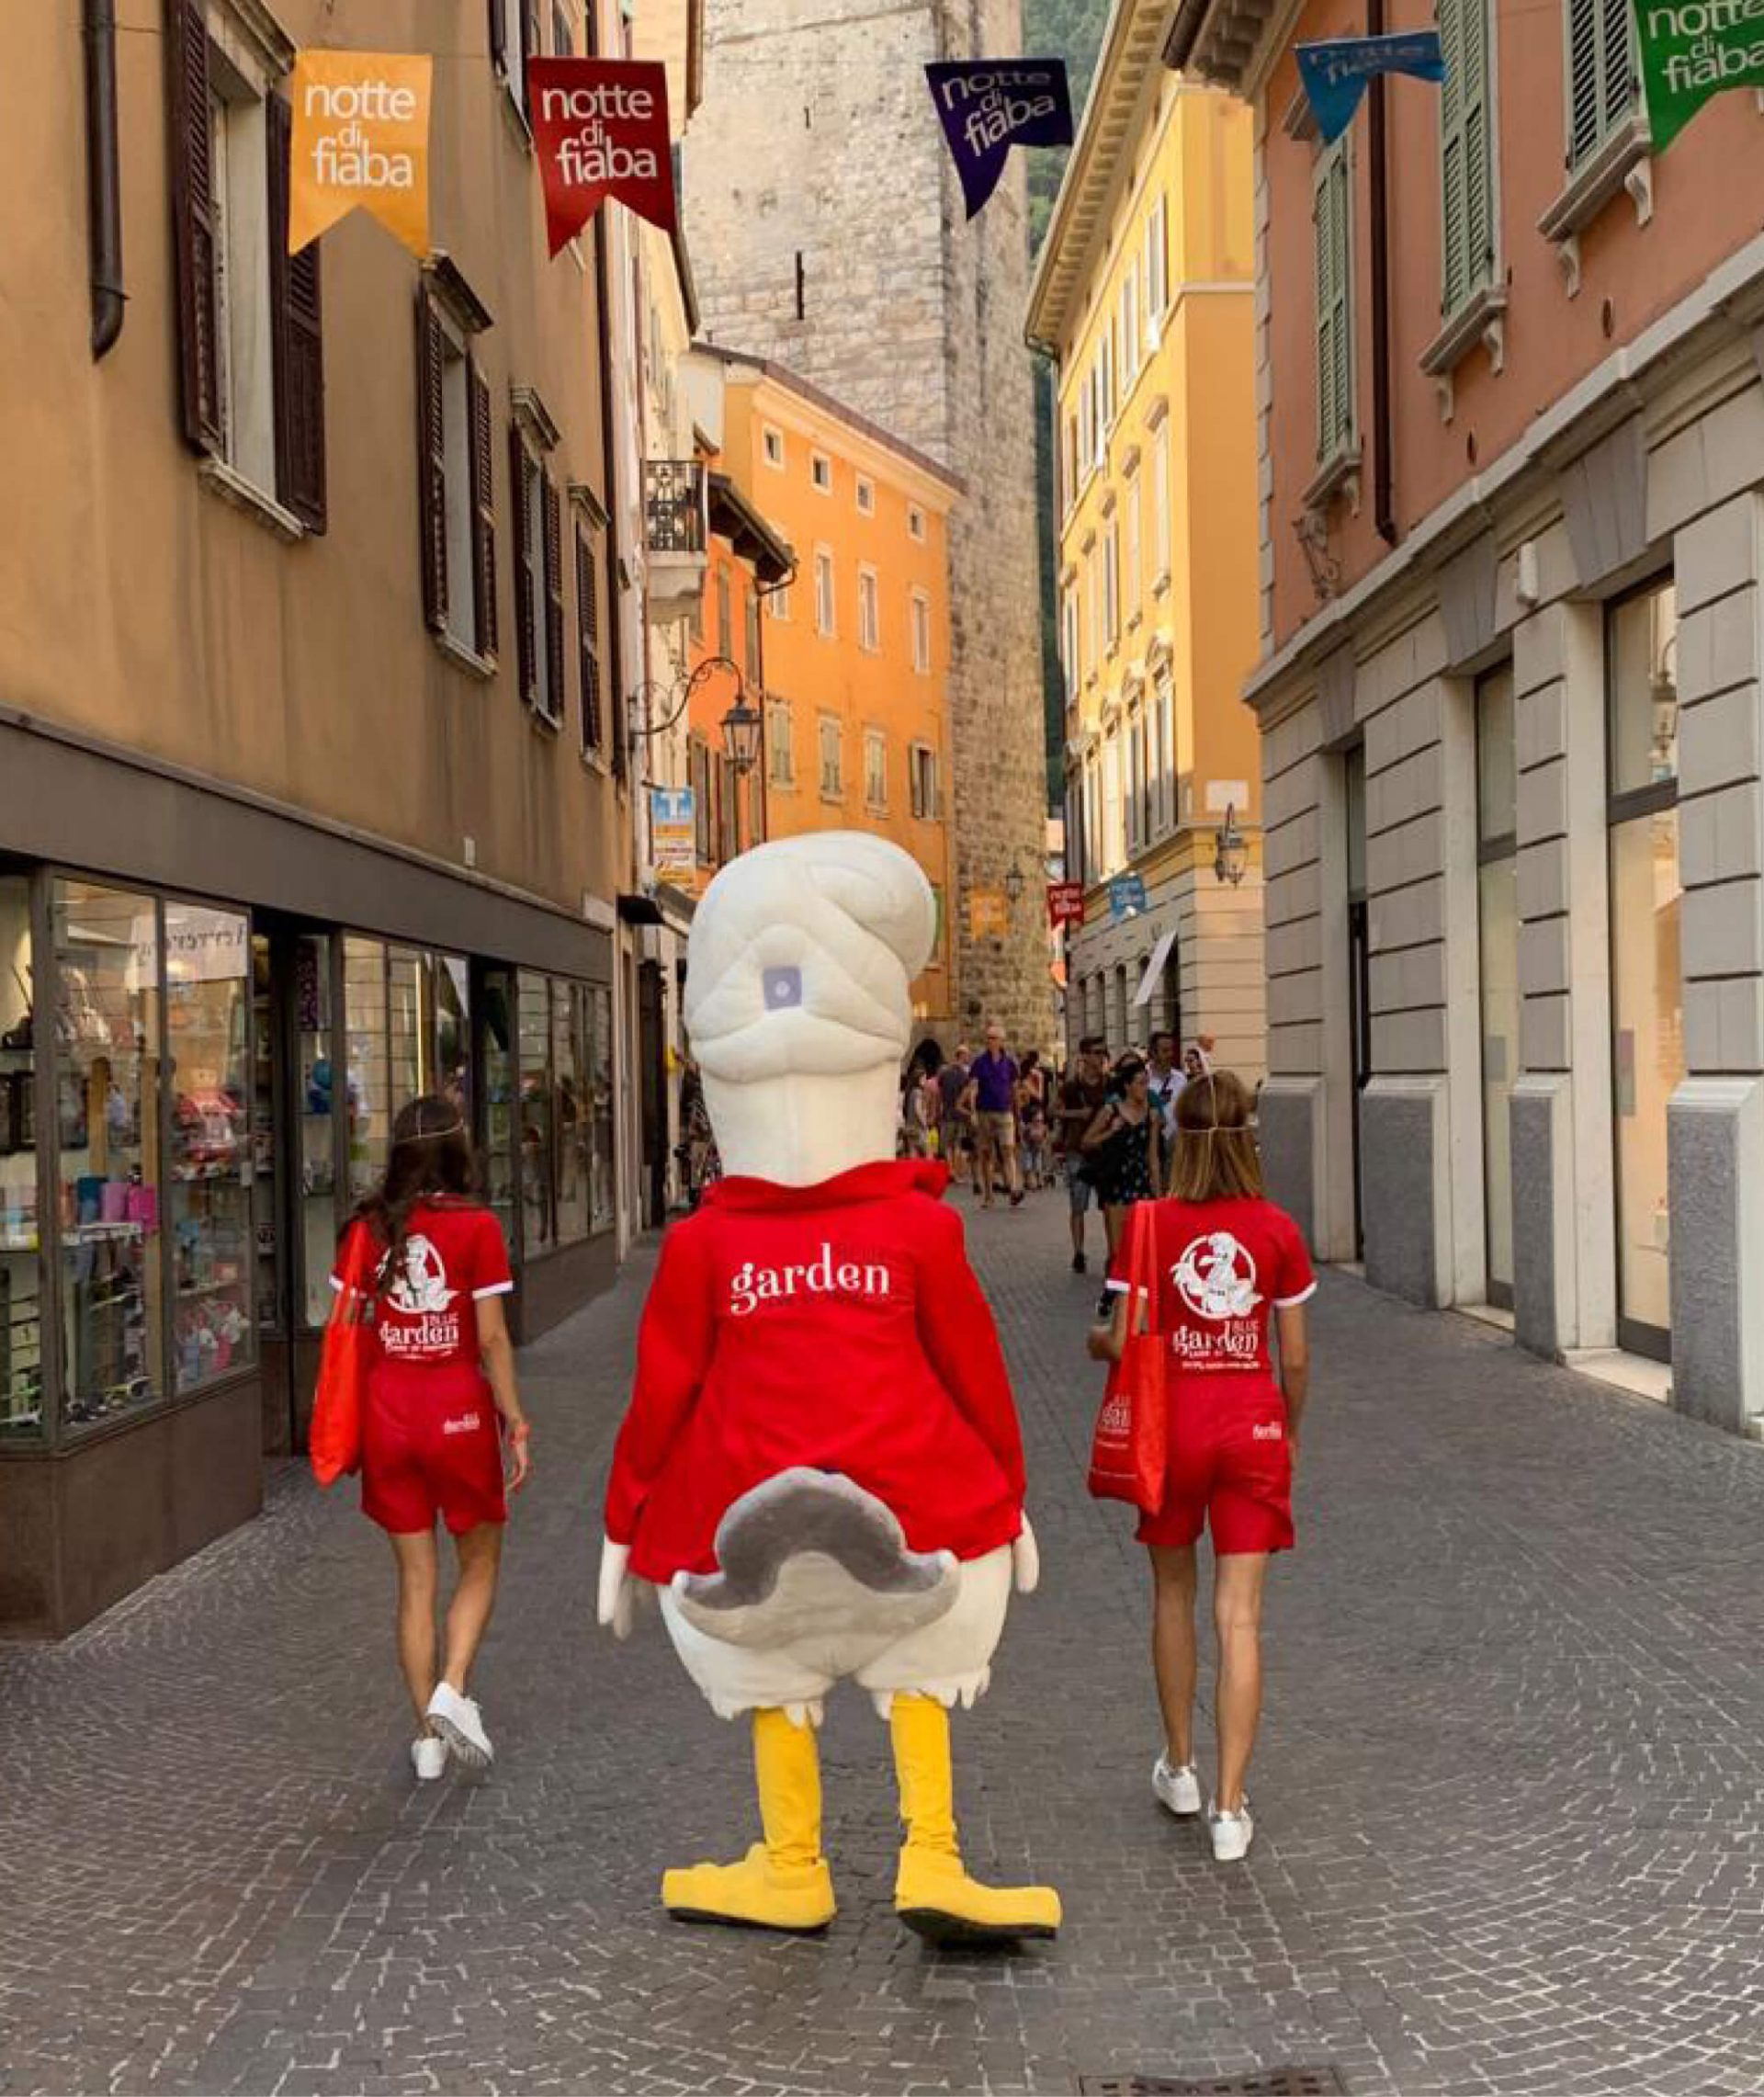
{"points": [[827, 232]]}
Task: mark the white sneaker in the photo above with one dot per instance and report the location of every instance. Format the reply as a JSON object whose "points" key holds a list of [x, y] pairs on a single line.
{"points": [[429, 1758], [460, 1723], [1179, 1789], [1232, 1834]]}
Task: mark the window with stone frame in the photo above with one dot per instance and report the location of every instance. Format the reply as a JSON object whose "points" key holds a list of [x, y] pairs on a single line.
{"points": [[876, 769], [248, 314], [780, 743]]}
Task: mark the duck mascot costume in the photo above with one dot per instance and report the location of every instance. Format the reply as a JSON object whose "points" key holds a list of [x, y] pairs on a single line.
{"points": [[822, 1470]]}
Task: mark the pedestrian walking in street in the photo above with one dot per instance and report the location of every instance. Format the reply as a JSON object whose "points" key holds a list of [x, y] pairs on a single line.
{"points": [[1166, 1081], [1082, 1094], [954, 1121], [920, 1101], [1227, 1261], [993, 1090], [443, 1432], [1032, 1119], [1124, 1148]]}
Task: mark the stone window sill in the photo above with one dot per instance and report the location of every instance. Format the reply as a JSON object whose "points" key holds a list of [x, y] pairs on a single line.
{"points": [[232, 486], [1481, 319], [1338, 476], [1624, 161], [482, 667]]}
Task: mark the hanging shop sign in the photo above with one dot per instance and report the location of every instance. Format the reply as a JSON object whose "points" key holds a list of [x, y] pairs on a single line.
{"points": [[988, 105], [989, 914], [1126, 895], [674, 830], [360, 139], [1064, 903], [600, 127], [1336, 74], [1693, 51]]}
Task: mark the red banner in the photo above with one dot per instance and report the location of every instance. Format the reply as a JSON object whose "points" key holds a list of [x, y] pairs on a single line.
{"points": [[1065, 902], [601, 129]]}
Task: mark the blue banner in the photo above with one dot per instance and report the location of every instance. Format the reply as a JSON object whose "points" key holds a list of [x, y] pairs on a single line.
{"points": [[1334, 73], [1126, 895], [988, 105]]}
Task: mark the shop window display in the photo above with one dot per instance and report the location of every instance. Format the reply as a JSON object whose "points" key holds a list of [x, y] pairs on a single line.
{"points": [[569, 1070], [499, 1101], [107, 1048], [21, 1321], [538, 1232], [315, 1053], [605, 1206], [369, 1064], [211, 1173]]}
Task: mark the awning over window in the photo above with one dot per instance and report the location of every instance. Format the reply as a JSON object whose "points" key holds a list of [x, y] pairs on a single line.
{"points": [[1154, 974]]}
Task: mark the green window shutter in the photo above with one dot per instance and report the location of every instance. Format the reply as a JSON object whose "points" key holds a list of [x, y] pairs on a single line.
{"points": [[1466, 168], [1331, 204], [1602, 74]]}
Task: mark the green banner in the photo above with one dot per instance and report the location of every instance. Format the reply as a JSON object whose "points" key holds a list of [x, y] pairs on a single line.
{"points": [[1692, 49]]}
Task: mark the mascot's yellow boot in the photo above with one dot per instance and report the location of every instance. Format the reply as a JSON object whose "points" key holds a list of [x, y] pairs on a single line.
{"points": [[782, 1883], [933, 1894]]}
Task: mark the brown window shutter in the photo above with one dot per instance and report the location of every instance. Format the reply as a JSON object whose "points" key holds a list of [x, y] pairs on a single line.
{"points": [[588, 641], [530, 45], [526, 595], [431, 462], [554, 595], [297, 341], [483, 511], [498, 37], [192, 156]]}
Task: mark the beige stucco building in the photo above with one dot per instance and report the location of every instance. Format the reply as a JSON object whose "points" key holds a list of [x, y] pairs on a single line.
{"points": [[314, 780]]}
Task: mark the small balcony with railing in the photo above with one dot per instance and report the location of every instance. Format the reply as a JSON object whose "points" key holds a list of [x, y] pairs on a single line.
{"points": [[677, 534]]}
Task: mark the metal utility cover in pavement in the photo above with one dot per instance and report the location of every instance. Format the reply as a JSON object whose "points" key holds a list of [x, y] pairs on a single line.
{"points": [[1266, 2082]]}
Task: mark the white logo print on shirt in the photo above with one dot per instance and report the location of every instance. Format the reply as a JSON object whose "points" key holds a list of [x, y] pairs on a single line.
{"points": [[419, 1295], [1216, 1277]]}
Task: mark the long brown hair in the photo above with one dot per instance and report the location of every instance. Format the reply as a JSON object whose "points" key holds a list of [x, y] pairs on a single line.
{"points": [[1215, 1157], [432, 1158]]}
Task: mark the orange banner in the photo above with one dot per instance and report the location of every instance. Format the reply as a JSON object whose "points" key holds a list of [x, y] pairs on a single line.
{"points": [[361, 138]]}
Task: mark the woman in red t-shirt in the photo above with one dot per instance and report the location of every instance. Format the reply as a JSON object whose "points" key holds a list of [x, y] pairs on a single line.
{"points": [[1228, 1262], [441, 1398]]}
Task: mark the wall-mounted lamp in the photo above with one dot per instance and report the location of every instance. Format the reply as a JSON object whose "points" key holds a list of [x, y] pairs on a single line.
{"points": [[1230, 853]]}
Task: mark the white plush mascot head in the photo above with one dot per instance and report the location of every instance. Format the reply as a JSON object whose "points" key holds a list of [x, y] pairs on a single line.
{"points": [[798, 1003]]}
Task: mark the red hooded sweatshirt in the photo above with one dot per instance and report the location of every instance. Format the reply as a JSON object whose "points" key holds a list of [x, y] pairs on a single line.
{"points": [[838, 1327]]}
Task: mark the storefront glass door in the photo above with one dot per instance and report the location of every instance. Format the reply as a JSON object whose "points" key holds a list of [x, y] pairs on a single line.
{"points": [[1647, 996], [1359, 965]]}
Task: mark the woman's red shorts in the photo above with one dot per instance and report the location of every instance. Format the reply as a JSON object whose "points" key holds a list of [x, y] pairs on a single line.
{"points": [[1229, 1467], [431, 1445]]}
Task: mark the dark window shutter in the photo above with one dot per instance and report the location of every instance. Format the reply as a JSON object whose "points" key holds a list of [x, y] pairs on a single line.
{"points": [[554, 598], [192, 155], [498, 36], [526, 595], [530, 45], [297, 341], [588, 641], [432, 462], [483, 511]]}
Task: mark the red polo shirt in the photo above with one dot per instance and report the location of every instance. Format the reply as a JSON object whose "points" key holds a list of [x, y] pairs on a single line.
{"points": [[836, 1327]]}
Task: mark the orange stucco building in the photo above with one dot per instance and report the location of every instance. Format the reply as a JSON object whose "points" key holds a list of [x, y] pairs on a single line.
{"points": [[850, 660]]}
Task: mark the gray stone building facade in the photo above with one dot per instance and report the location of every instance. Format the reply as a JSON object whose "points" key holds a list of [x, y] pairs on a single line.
{"points": [[828, 233]]}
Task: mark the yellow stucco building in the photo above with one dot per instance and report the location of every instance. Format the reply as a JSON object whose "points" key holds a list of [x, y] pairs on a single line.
{"points": [[1144, 297], [854, 654]]}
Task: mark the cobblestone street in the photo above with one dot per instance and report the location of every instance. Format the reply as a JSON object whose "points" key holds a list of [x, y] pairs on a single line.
{"points": [[1510, 1784]]}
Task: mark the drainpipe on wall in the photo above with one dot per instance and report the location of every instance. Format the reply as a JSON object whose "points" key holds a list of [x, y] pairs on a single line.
{"points": [[103, 174], [1383, 496]]}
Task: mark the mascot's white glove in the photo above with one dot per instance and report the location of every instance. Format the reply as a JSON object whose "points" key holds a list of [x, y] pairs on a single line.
{"points": [[1026, 1560], [614, 1608]]}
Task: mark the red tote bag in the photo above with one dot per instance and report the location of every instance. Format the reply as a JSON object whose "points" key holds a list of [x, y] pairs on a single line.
{"points": [[1129, 1448], [333, 1441]]}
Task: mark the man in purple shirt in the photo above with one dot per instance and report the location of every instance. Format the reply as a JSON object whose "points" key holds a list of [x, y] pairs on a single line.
{"points": [[992, 1088]]}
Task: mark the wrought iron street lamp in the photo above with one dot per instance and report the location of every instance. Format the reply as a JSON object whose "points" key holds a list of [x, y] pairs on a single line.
{"points": [[742, 728], [1230, 852], [1013, 885]]}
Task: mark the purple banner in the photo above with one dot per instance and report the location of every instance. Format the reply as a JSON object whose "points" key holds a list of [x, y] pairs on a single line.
{"points": [[990, 105]]}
